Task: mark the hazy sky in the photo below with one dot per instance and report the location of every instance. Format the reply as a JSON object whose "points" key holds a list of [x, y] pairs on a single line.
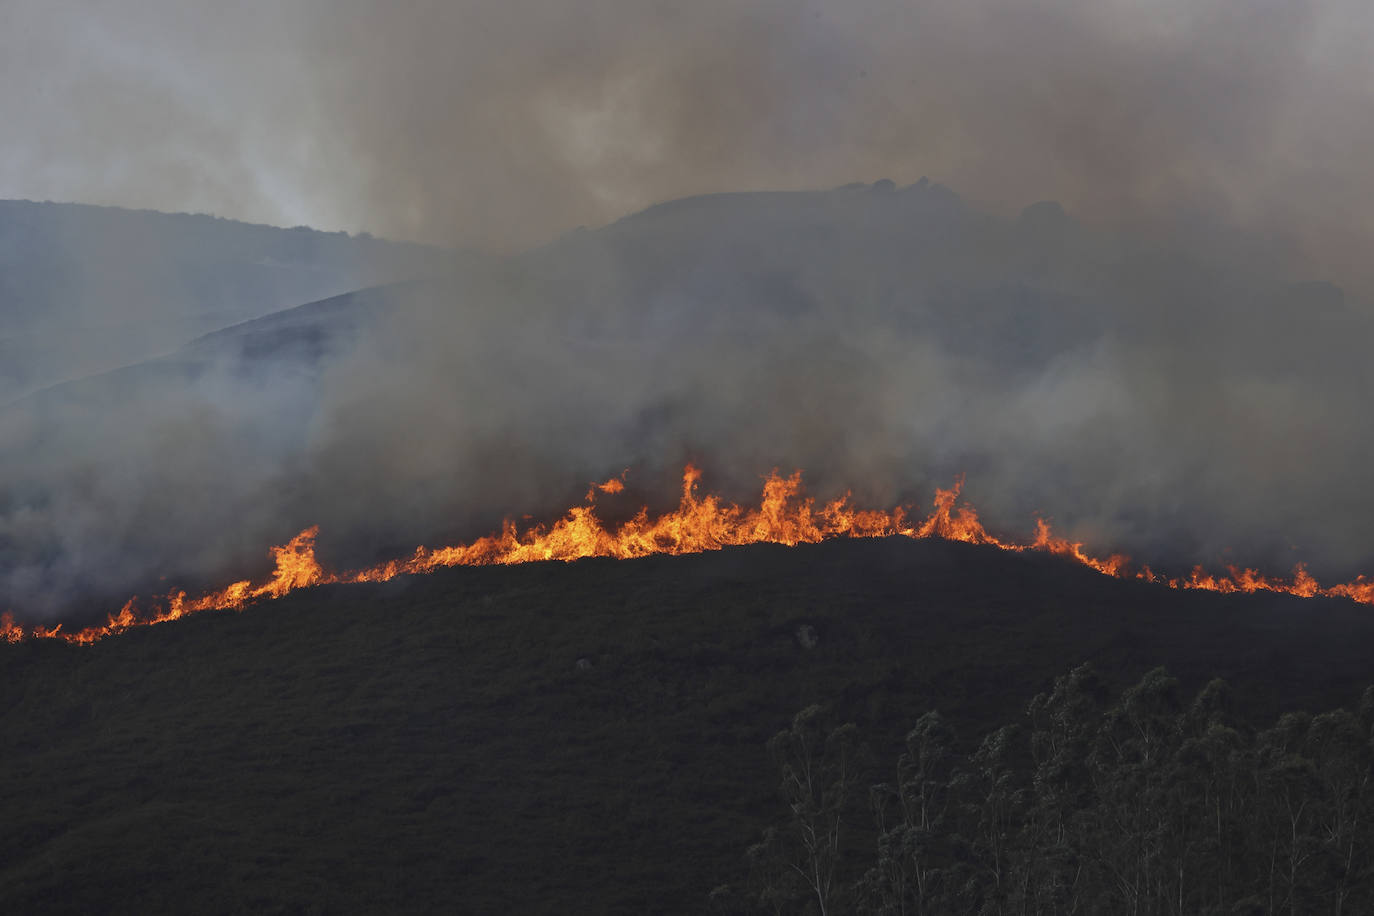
{"points": [[500, 124]]}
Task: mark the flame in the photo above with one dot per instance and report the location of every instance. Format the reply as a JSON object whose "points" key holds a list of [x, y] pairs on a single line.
{"points": [[614, 485], [698, 524], [9, 631], [1114, 565]]}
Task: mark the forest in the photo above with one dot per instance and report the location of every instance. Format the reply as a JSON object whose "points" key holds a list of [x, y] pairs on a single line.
{"points": [[1147, 803]]}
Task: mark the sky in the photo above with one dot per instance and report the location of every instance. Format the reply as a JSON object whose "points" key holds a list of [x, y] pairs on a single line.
{"points": [[499, 125]]}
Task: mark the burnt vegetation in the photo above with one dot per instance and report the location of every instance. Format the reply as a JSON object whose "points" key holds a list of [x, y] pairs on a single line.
{"points": [[594, 737]]}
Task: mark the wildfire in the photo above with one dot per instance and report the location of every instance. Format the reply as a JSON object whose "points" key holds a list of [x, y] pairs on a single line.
{"points": [[698, 524]]}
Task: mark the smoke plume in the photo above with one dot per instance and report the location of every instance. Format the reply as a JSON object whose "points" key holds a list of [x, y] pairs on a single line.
{"points": [[499, 125]]}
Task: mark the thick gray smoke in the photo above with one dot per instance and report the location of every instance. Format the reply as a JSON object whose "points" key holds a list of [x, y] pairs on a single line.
{"points": [[1157, 364], [500, 124], [1185, 402]]}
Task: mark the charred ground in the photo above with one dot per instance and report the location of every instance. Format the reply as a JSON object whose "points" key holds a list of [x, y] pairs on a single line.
{"points": [[437, 743]]}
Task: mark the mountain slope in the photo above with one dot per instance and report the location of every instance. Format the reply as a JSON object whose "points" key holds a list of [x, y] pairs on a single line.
{"points": [[438, 744], [84, 289], [1182, 401]]}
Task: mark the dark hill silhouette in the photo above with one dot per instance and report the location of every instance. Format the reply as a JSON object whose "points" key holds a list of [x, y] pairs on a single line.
{"points": [[554, 738]]}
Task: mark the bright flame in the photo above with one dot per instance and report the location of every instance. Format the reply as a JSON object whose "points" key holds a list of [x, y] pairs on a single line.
{"points": [[700, 523]]}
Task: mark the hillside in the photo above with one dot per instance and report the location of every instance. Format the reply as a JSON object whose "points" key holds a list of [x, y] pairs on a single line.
{"points": [[437, 743], [1184, 404], [85, 289]]}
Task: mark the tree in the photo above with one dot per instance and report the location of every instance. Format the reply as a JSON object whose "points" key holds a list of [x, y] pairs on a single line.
{"points": [[1286, 783], [1213, 762], [994, 809], [1338, 746], [1141, 822], [1146, 806], [819, 774], [1064, 724], [913, 869]]}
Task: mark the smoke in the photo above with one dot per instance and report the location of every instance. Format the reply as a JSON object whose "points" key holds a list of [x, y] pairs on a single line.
{"points": [[499, 125], [87, 289], [1159, 368], [1185, 402]]}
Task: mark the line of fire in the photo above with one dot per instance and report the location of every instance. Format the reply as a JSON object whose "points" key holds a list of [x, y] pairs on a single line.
{"points": [[700, 523]]}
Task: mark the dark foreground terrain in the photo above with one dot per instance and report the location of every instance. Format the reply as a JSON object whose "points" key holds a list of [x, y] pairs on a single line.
{"points": [[557, 738]]}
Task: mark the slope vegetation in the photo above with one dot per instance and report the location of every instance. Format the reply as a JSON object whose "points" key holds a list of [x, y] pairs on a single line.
{"points": [[558, 737]]}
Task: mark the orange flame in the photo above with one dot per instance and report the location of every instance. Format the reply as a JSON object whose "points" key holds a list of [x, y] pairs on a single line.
{"points": [[9, 630], [699, 524]]}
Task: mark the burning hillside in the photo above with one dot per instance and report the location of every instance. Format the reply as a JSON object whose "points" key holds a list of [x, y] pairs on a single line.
{"points": [[700, 523], [1174, 404]]}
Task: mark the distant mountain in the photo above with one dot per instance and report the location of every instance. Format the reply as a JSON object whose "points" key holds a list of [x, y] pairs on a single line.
{"points": [[554, 738], [916, 262], [302, 337], [84, 289]]}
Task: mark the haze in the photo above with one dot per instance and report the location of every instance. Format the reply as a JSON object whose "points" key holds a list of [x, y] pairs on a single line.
{"points": [[499, 125], [1170, 358]]}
